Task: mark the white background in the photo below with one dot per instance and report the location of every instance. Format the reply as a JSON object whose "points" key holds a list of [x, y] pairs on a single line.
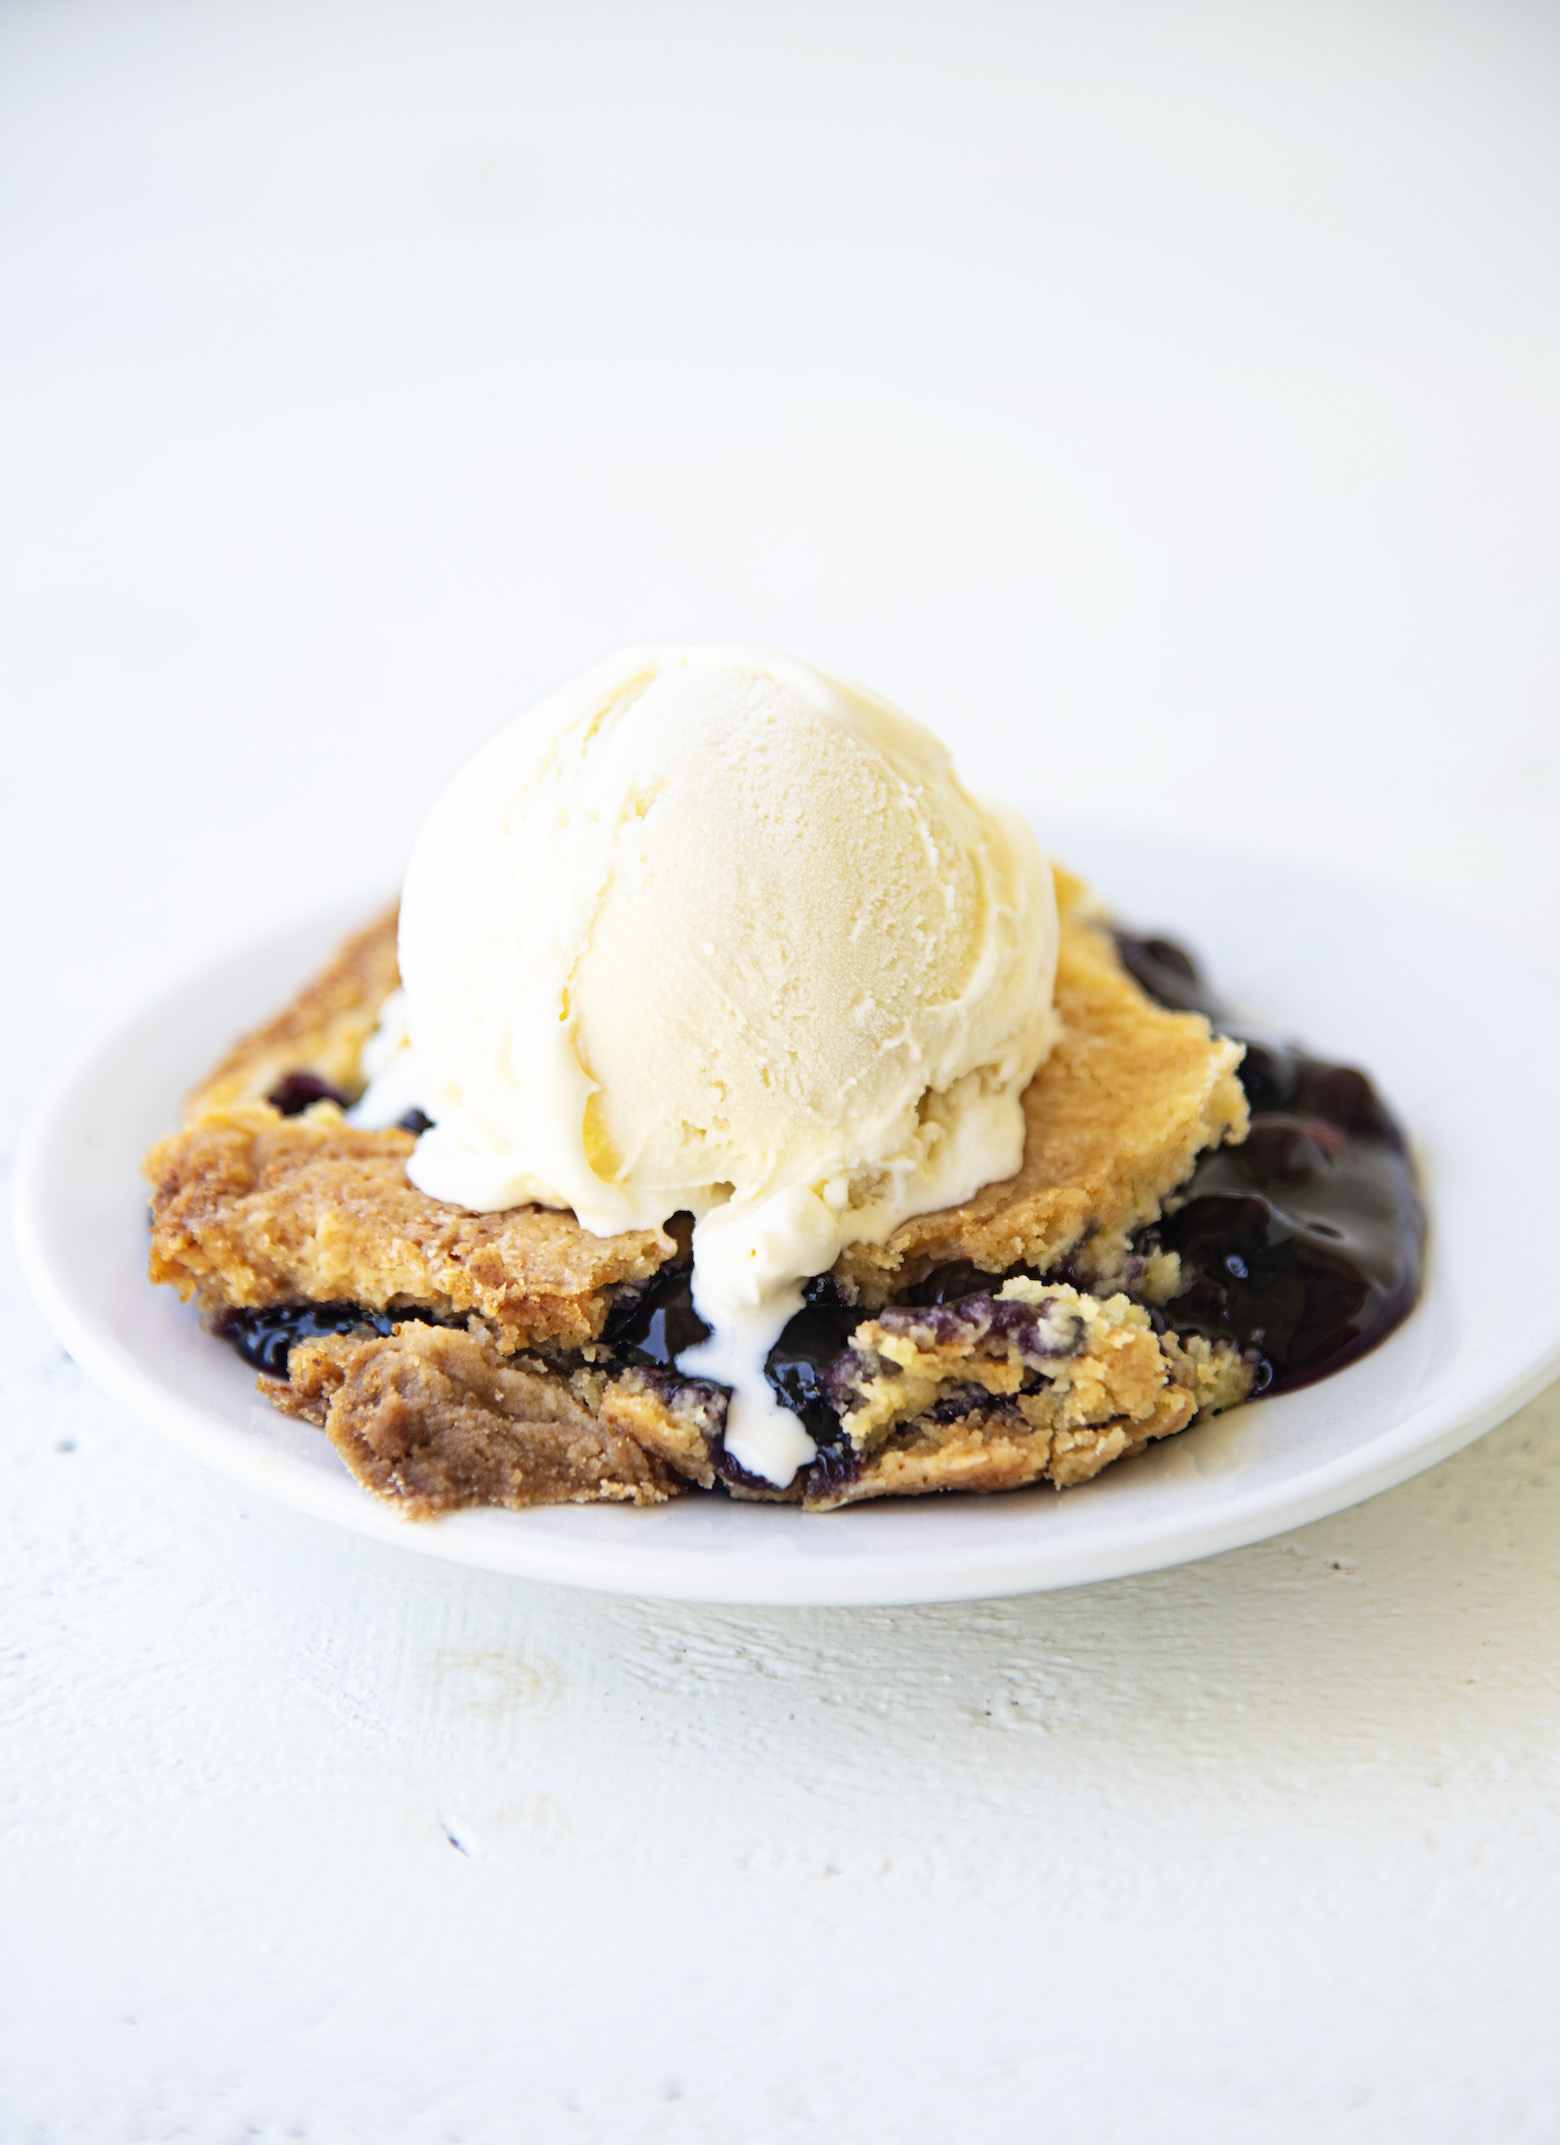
{"points": [[1163, 402]]}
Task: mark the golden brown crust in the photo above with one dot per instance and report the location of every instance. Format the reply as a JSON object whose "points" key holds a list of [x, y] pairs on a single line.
{"points": [[252, 1209], [1116, 1116], [323, 1030], [431, 1419], [1039, 1384], [680, 1427], [987, 1454]]}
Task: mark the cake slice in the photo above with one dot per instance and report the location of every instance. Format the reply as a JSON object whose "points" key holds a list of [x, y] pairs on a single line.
{"points": [[515, 1359]]}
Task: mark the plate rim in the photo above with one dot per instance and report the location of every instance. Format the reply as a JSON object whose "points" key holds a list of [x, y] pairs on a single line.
{"points": [[1429, 1434]]}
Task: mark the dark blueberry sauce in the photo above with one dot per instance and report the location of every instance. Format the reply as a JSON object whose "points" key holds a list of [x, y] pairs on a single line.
{"points": [[653, 1321], [1305, 1244], [949, 1284], [836, 1467], [799, 1363], [297, 1090], [1167, 973], [264, 1338]]}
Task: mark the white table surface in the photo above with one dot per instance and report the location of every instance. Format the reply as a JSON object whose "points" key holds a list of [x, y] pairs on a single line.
{"points": [[1164, 403]]}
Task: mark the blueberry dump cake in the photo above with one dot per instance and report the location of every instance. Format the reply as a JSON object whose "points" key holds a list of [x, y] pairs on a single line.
{"points": [[909, 1174]]}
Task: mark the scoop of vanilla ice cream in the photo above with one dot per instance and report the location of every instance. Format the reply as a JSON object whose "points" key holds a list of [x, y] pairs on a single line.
{"points": [[709, 930]]}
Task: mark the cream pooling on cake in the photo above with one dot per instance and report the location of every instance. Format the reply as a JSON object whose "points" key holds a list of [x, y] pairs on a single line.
{"points": [[708, 930]]}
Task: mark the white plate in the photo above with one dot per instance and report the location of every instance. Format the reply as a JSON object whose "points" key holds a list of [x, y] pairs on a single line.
{"points": [[1460, 1035]]}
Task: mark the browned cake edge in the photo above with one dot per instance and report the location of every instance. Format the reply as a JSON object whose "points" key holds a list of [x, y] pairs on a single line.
{"points": [[251, 1209], [432, 1419], [322, 1031], [1130, 1095]]}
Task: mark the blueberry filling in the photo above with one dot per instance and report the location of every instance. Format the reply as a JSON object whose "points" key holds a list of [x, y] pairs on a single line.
{"points": [[947, 1284], [1039, 1332], [964, 1400], [265, 1338], [653, 1321], [296, 1090], [1306, 1243], [735, 1475], [836, 1468], [1167, 973], [800, 1362]]}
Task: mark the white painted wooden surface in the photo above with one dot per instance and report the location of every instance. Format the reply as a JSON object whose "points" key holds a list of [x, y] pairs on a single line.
{"points": [[1163, 400]]}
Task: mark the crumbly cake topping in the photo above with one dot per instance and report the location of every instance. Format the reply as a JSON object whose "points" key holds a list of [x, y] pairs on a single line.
{"points": [[1041, 1376], [322, 1032], [432, 1420], [251, 1209], [964, 1416], [1116, 1117]]}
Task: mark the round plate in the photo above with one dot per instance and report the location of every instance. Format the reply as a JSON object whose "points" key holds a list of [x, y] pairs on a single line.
{"points": [[1458, 1033]]}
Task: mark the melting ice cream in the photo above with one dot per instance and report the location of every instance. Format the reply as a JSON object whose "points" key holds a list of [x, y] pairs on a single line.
{"points": [[710, 931]]}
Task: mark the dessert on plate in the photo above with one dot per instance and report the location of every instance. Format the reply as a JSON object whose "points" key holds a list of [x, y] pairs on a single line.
{"points": [[735, 1102]]}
